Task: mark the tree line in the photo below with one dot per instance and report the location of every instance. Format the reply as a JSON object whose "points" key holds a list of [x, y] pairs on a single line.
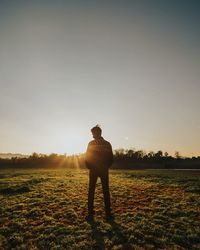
{"points": [[123, 158], [138, 159]]}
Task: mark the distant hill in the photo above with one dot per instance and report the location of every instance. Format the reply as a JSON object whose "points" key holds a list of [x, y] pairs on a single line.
{"points": [[10, 155]]}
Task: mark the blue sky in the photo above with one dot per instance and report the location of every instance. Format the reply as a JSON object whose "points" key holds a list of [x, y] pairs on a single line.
{"points": [[130, 66]]}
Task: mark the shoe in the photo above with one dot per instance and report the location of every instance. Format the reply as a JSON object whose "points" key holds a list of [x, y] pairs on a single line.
{"points": [[89, 217], [110, 217]]}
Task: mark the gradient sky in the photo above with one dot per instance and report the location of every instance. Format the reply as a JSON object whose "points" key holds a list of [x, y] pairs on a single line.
{"points": [[131, 66]]}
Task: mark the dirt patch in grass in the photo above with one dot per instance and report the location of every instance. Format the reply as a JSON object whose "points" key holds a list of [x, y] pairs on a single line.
{"points": [[14, 190]]}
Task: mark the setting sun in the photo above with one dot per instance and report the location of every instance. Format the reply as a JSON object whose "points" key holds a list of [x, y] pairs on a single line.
{"points": [[66, 67]]}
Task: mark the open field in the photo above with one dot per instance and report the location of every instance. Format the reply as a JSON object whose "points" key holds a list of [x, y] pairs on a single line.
{"points": [[45, 209]]}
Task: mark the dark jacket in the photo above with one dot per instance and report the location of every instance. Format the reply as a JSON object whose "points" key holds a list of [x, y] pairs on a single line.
{"points": [[99, 154]]}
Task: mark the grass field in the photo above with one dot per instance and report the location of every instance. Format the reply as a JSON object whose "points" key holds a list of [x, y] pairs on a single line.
{"points": [[45, 209]]}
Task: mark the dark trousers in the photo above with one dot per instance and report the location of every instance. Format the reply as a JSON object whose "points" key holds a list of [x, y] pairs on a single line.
{"points": [[93, 176]]}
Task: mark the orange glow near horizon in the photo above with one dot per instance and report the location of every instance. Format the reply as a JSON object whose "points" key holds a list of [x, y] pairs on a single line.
{"points": [[65, 69]]}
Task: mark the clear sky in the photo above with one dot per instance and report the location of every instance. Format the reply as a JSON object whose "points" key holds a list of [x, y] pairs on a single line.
{"points": [[131, 66]]}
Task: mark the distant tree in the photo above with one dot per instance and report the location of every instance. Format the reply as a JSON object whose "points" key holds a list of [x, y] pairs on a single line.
{"points": [[159, 154], [151, 154], [177, 155], [53, 156], [14, 160], [34, 155], [139, 154], [166, 154], [130, 153], [119, 153]]}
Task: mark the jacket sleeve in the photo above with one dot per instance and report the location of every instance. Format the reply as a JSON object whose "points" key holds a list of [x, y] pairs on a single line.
{"points": [[110, 158]]}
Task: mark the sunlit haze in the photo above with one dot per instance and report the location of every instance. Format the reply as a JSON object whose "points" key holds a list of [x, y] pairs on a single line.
{"points": [[130, 66]]}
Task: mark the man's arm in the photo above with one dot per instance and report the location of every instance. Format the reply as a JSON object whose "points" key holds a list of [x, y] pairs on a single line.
{"points": [[87, 157], [111, 157]]}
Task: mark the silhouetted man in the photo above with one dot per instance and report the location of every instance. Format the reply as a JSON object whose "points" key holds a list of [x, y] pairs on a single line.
{"points": [[99, 157]]}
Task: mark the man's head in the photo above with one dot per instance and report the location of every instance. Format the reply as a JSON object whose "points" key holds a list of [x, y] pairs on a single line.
{"points": [[96, 132]]}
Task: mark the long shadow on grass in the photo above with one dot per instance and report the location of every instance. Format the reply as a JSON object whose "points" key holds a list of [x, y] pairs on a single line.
{"points": [[117, 231], [97, 236]]}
